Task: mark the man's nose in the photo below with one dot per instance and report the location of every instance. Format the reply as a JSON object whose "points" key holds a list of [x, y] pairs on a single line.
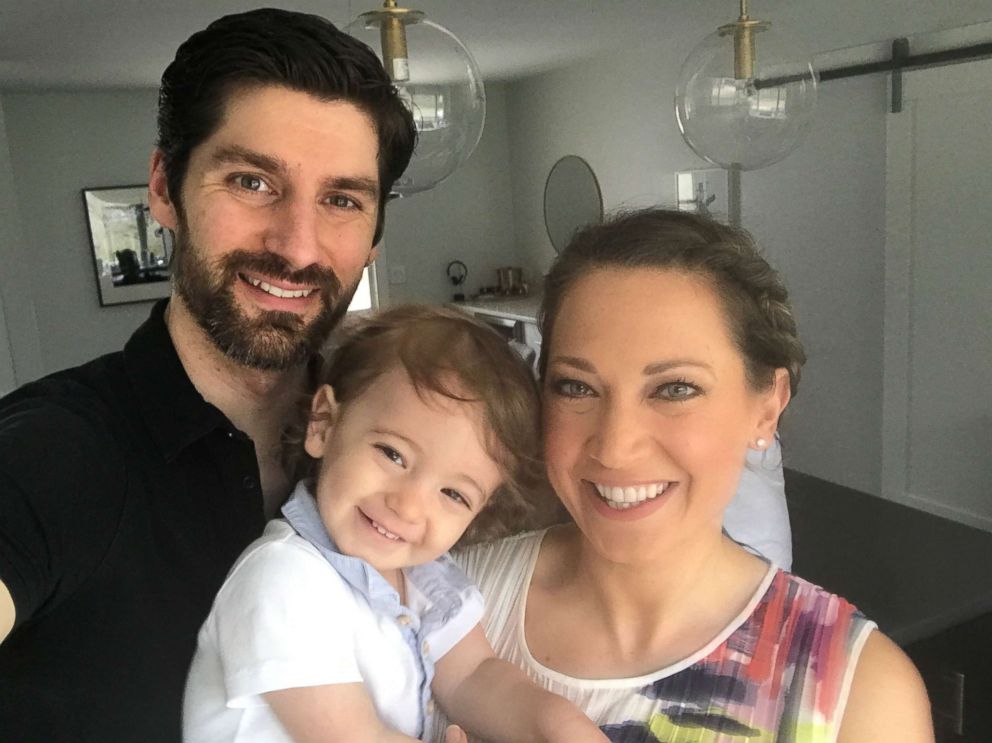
{"points": [[293, 232]]}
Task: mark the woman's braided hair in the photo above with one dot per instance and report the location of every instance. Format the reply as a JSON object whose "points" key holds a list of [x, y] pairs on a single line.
{"points": [[755, 300]]}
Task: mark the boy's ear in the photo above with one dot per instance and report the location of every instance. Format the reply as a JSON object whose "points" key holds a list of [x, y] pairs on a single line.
{"points": [[323, 409]]}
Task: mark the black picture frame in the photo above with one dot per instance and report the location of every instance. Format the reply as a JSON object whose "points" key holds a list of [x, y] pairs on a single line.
{"points": [[131, 252]]}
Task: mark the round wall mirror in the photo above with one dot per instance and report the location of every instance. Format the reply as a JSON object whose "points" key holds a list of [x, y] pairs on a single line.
{"points": [[572, 199]]}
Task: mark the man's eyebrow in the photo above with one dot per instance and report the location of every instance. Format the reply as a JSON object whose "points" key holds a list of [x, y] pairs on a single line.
{"points": [[367, 186], [237, 155]]}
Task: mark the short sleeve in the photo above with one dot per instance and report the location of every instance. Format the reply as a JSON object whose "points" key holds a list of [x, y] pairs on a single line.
{"points": [[284, 618], [62, 492], [758, 516], [449, 604]]}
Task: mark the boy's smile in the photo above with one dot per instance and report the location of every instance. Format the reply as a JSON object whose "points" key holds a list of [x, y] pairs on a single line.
{"points": [[402, 473]]}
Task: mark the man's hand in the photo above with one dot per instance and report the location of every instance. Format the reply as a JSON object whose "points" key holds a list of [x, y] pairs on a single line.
{"points": [[455, 734], [6, 612]]}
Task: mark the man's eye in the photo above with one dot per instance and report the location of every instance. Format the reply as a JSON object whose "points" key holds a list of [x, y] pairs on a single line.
{"points": [[391, 454], [457, 497], [571, 388], [343, 202], [252, 183]]}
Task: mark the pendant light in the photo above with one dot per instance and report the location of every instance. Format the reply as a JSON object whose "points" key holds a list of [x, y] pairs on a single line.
{"points": [[440, 83], [745, 98]]}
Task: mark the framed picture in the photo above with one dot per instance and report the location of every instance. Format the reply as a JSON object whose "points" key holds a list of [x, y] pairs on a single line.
{"points": [[703, 191], [131, 251]]}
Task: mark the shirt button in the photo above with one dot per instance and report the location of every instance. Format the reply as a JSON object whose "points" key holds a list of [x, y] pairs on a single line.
{"points": [[248, 482], [403, 619], [430, 704], [426, 648]]}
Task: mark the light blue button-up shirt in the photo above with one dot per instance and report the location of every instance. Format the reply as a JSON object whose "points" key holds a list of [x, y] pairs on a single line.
{"points": [[443, 604]]}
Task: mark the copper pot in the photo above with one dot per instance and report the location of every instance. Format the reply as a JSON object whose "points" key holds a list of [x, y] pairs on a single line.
{"points": [[510, 280]]}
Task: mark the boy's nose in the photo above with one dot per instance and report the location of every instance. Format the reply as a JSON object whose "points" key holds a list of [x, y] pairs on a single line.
{"points": [[407, 503]]}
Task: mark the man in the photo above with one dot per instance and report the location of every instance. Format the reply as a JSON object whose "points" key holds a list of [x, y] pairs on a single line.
{"points": [[129, 485]]}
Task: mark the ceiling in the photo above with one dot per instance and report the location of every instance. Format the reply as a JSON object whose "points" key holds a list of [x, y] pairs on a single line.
{"points": [[127, 43]]}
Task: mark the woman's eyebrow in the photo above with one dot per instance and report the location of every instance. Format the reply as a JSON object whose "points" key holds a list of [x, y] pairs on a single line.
{"points": [[576, 362], [664, 366]]}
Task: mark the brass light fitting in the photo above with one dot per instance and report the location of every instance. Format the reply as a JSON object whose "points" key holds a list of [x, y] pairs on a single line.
{"points": [[743, 30], [392, 21]]}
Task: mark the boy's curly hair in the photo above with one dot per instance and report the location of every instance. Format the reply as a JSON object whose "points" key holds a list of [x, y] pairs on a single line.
{"points": [[446, 352]]}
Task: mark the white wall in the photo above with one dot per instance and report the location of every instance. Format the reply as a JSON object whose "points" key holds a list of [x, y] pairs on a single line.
{"points": [[819, 214], [469, 217]]}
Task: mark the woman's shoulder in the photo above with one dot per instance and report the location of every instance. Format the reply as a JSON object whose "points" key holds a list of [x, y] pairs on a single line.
{"points": [[790, 595], [506, 561], [887, 701]]}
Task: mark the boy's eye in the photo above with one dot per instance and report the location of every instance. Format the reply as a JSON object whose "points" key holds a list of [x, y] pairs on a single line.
{"points": [[391, 454], [457, 497]]}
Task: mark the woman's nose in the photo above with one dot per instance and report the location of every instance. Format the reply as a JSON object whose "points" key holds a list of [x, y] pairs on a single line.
{"points": [[619, 437]]}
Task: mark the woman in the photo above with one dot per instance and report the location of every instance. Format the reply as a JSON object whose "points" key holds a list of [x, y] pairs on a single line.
{"points": [[670, 352]]}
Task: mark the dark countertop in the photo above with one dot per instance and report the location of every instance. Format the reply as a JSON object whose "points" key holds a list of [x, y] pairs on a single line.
{"points": [[915, 574]]}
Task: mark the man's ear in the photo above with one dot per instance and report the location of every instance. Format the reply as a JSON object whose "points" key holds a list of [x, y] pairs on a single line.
{"points": [[373, 254], [161, 204], [773, 403], [323, 410]]}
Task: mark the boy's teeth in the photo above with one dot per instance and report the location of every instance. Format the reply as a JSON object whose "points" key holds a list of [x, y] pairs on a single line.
{"points": [[622, 498], [382, 530], [275, 291]]}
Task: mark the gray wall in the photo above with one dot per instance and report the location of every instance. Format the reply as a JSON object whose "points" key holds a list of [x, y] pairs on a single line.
{"points": [[20, 353], [59, 144], [819, 214], [469, 217]]}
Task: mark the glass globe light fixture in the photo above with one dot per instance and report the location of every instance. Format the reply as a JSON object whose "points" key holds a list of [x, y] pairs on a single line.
{"points": [[440, 83], [745, 96]]}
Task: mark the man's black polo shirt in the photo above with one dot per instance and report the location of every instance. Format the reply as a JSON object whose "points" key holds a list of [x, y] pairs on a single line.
{"points": [[124, 500]]}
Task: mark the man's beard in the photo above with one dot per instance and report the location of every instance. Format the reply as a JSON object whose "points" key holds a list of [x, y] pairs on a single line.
{"points": [[272, 340]]}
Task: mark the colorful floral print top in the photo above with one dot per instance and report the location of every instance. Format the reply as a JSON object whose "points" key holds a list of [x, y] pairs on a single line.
{"points": [[780, 671]]}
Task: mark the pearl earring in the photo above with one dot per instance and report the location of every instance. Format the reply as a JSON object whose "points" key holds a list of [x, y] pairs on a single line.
{"points": [[761, 443]]}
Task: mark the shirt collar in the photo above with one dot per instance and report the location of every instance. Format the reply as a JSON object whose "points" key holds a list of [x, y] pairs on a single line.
{"points": [[302, 514], [172, 408]]}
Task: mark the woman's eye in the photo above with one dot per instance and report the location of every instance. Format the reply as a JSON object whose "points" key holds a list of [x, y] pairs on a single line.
{"points": [[252, 183], [571, 388], [391, 454], [677, 391], [457, 497]]}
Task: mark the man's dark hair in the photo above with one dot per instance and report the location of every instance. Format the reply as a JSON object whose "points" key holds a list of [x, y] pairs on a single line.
{"points": [[299, 51]]}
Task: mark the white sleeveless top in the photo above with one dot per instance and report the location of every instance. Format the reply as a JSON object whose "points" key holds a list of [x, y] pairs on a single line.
{"points": [[783, 665]]}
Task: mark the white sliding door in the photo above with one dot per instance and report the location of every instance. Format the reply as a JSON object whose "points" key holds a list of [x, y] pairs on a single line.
{"points": [[937, 409]]}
